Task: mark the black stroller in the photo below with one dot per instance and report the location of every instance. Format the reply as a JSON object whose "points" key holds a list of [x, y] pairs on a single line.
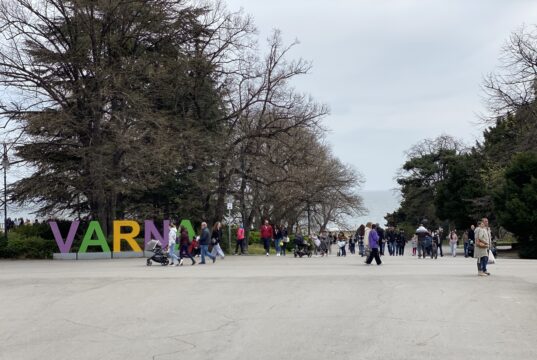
{"points": [[159, 256], [302, 247]]}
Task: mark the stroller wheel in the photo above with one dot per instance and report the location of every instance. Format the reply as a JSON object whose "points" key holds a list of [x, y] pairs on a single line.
{"points": [[166, 262], [149, 263]]}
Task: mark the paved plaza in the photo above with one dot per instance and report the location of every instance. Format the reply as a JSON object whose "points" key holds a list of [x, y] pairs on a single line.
{"points": [[268, 308]]}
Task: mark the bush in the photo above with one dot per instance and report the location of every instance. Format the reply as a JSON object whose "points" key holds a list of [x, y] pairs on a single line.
{"points": [[516, 202], [32, 247]]}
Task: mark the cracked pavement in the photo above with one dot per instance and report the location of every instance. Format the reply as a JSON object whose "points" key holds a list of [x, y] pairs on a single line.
{"points": [[268, 308]]}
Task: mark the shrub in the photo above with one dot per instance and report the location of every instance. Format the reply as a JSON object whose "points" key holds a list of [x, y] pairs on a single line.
{"points": [[32, 247]]}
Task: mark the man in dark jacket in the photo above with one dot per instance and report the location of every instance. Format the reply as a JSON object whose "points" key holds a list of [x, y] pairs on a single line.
{"points": [[391, 237], [382, 239], [205, 237]]}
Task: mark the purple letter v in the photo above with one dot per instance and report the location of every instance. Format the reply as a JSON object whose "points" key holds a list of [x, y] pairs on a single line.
{"points": [[64, 246]]}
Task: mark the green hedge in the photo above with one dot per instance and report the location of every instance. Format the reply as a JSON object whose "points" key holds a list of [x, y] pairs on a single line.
{"points": [[32, 247]]}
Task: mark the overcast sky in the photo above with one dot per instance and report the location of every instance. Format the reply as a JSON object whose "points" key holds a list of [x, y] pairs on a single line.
{"points": [[394, 71]]}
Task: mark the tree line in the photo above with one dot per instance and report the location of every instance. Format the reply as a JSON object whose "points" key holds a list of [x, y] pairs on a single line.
{"points": [[163, 109], [451, 184]]}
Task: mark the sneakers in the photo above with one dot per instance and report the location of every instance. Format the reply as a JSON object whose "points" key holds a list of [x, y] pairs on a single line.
{"points": [[267, 254], [278, 254], [486, 273], [180, 262], [193, 263], [171, 264], [481, 273]]}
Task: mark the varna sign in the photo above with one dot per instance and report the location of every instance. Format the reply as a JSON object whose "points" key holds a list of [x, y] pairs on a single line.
{"points": [[94, 235]]}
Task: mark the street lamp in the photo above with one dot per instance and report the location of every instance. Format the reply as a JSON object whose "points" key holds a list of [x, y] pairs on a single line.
{"points": [[5, 165]]}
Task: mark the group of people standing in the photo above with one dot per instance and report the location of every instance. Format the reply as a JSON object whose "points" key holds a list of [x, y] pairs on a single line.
{"points": [[477, 243]]}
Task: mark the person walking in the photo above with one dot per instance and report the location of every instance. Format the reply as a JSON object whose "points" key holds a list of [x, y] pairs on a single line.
{"points": [[401, 243], [266, 235], [482, 245], [471, 241], [366, 239], [360, 232], [278, 239], [382, 239], [465, 242], [285, 240], [240, 240], [184, 245], [374, 245], [172, 240], [453, 240], [205, 237], [216, 238], [352, 245], [341, 243], [421, 233], [390, 236]]}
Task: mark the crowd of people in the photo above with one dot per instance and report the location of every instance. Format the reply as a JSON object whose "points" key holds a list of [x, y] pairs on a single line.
{"points": [[369, 240], [18, 222]]}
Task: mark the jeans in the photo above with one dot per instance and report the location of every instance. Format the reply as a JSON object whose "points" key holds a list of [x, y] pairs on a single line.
{"points": [[400, 249], [453, 249], [361, 249], [374, 254], [465, 249], [440, 248], [352, 248], [241, 244], [391, 248], [171, 253], [266, 244], [342, 251], [205, 252], [421, 249], [482, 264], [277, 245], [382, 246], [282, 250]]}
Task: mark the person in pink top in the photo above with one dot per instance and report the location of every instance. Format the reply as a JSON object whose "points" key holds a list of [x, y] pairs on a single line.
{"points": [[240, 240]]}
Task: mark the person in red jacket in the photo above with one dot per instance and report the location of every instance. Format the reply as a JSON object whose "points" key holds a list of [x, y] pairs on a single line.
{"points": [[266, 235]]}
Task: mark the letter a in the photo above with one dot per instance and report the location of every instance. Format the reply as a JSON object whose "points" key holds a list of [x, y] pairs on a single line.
{"points": [[94, 227]]}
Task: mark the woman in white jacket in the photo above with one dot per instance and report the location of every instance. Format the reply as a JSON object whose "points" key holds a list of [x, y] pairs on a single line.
{"points": [[366, 238], [172, 240]]}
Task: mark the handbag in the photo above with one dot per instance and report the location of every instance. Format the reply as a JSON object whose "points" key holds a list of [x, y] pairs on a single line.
{"points": [[492, 259], [213, 241]]}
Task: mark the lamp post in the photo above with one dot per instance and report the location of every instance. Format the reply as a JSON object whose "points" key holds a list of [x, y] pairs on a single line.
{"points": [[5, 165]]}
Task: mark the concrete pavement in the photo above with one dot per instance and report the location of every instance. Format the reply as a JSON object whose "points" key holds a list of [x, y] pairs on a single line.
{"points": [[268, 308]]}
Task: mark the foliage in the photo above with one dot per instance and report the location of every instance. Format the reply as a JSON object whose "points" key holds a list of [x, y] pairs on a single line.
{"points": [[516, 202], [164, 109], [33, 247]]}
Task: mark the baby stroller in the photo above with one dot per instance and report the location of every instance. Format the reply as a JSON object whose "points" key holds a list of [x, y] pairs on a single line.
{"points": [[159, 255], [302, 248]]}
